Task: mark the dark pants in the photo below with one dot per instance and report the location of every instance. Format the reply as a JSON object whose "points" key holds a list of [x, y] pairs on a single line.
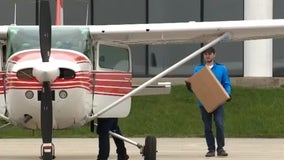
{"points": [[104, 126], [218, 116]]}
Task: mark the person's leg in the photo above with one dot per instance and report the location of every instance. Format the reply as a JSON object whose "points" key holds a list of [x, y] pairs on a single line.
{"points": [[220, 137], [103, 128], [120, 146], [219, 123], [207, 121]]}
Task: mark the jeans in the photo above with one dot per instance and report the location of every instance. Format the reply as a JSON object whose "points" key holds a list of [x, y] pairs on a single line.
{"points": [[104, 126], [218, 115]]}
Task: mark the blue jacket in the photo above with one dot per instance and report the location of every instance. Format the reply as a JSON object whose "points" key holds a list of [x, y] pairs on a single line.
{"points": [[221, 73]]}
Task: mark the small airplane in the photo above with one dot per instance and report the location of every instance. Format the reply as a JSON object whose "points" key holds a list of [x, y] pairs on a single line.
{"points": [[60, 77]]}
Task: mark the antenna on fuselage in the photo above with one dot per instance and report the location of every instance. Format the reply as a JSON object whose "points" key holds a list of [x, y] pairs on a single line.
{"points": [[87, 14], [15, 14]]}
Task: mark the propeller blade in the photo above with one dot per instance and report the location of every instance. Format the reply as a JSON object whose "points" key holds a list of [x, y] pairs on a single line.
{"points": [[45, 30], [46, 113]]}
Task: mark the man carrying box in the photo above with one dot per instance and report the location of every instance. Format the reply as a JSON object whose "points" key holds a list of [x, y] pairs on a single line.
{"points": [[201, 91]]}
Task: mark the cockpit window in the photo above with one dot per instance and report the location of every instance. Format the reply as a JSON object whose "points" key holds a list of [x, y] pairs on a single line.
{"points": [[113, 57], [73, 38]]}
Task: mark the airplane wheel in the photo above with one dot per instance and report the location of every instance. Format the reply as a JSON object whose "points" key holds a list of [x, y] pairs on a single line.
{"points": [[150, 148], [47, 155]]}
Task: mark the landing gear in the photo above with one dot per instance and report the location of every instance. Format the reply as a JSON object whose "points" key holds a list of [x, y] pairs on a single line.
{"points": [[148, 151], [47, 151], [150, 148]]}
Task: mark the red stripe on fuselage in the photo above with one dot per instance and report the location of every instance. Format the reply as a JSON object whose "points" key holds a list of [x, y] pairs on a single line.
{"points": [[83, 80], [106, 83], [112, 83], [2, 74]]}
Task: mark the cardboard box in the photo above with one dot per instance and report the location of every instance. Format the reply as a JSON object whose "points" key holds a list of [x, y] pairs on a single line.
{"points": [[208, 89]]}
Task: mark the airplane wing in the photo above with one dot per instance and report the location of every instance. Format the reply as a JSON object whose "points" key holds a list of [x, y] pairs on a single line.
{"points": [[185, 32], [188, 32]]}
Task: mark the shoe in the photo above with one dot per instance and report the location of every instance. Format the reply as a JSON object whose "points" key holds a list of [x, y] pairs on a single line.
{"points": [[222, 153], [101, 159], [98, 158], [210, 154], [124, 157]]}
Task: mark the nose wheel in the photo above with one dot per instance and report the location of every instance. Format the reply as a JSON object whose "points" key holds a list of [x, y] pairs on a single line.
{"points": [[47, 151]]}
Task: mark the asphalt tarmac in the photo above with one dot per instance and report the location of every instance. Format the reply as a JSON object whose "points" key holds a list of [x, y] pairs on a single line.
{"points": [[168, 149]]}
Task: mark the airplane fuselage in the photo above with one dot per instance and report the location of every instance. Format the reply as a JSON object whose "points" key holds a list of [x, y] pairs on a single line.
{"points": [[86, 83], [72, 92]]}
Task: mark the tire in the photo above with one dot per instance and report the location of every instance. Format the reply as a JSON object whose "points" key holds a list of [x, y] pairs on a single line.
{"points": [[150, 148], [48, 155]]}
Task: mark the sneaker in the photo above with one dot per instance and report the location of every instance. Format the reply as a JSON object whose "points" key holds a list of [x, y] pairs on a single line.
{"points": [[222, 153], [210, 154]]}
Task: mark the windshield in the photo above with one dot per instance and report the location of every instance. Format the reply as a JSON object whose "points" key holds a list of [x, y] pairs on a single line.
{"points": [[73, 38]]}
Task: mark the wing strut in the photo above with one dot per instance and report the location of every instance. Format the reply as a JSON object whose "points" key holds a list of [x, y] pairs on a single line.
{"points": [[6, 125], [4, 117], [160, 75]]}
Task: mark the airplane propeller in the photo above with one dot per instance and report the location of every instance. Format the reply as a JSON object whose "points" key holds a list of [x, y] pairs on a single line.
{"points": [[46, 94]]}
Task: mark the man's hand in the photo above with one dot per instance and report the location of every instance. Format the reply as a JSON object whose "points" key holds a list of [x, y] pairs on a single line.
{"points": [[228, 100], [188, 86]]}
